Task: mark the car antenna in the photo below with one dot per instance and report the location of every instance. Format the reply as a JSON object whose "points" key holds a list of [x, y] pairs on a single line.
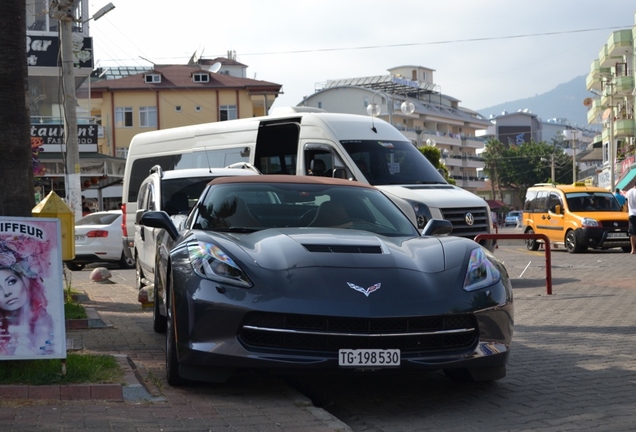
{"points": [[207, 157]]}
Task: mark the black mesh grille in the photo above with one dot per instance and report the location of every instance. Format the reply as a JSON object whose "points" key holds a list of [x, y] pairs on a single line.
{"points": [[611, 224], [360, 332]]}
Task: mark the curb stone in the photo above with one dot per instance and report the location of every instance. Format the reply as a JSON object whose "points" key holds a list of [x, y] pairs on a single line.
{"points": [[131, 389]]}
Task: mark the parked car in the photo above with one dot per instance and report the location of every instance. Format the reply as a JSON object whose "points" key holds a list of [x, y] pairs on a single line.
{"points": [[98, 239], [289, 273], [513, 218], [175, 192], [577, 216]]}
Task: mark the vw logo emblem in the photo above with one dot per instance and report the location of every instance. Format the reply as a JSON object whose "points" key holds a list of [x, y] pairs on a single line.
{"points": [[470, 219], [615, 224]]}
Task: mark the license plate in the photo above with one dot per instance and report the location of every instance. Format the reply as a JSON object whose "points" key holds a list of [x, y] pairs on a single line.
{"points": [[79, 237], [369, 357], [617, 234]]}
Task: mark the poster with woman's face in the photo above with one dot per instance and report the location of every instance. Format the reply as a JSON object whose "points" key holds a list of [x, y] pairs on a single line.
{"points": [[31, 289]]}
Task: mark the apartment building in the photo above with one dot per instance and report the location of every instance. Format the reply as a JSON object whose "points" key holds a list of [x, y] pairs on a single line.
{"points": [[408, 98], [611, 104]]}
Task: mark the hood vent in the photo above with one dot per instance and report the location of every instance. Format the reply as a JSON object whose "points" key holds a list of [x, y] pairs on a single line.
{"points": [[343, 248]]}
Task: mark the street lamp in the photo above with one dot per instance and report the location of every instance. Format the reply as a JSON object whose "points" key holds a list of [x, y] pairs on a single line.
{"points": [[407, 107], [64, 11]]}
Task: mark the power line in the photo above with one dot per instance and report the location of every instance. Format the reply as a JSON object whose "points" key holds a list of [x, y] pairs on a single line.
{"points": [[451, 41], [411, 44]]}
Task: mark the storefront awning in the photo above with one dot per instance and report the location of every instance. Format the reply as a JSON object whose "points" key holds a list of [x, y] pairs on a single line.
{"points": [[627, 179]]}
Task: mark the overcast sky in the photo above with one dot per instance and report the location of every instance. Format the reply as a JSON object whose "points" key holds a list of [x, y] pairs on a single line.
{"points": [[474, 46]]}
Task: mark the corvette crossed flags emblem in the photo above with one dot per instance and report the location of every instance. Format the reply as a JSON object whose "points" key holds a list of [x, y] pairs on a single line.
{"points": [[365, 291]]}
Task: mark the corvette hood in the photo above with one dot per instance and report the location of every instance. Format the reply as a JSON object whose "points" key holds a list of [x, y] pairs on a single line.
{"points": [[292, 248]]}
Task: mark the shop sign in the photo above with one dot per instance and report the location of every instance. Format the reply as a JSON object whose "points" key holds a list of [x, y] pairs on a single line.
{"points": [[44, 51], [54, 134]]}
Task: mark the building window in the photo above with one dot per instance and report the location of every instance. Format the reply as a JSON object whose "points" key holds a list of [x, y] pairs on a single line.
{"points": [[147, 117], [152, 78], [177, 108], [228, 112], [200, 77], [320, 105], [123, 117]]}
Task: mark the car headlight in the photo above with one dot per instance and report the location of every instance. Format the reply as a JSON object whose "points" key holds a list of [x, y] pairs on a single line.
{"points": [[422, 213], [589, 222], [210, 262], [481, 271]]}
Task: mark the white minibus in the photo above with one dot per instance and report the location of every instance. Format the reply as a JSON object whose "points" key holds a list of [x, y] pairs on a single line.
{"points": [[308, 141]]}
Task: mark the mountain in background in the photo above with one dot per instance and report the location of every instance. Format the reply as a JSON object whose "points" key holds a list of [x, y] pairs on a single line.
{"points": [[565, 101]]}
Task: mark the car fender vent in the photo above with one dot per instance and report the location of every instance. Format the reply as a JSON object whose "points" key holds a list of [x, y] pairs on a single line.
{"points": [[366, 249]]}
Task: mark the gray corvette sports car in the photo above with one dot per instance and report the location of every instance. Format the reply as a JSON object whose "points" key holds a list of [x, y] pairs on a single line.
{"points": [[308, 274]]}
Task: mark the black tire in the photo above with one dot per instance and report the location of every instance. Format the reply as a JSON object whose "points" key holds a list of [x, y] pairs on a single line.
{"points": [[532, 244], [626, 249], [139, 275], [172, 359], [125, 262], [159, 322], [74, 266], [571, 244]]}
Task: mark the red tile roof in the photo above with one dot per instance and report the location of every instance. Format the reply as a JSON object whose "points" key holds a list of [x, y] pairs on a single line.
{"points": [[180, 77]]}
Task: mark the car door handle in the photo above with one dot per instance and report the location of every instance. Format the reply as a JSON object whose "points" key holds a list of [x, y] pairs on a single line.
{"points": [[141, 234]]}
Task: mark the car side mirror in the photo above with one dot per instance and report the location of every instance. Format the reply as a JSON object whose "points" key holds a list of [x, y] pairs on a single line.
{"points": [[437, 227], [558, 209], [159, 219]]}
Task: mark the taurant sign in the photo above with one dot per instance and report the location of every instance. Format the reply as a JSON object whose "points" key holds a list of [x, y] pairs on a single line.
{"points": [[54, 133]]}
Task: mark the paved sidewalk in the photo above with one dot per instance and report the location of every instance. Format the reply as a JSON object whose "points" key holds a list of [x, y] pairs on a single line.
{"points": [[246, 403]]}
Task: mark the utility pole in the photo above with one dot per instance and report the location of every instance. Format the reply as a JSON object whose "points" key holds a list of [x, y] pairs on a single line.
{"points": [[570, 134], [552, 168], [64, 11]]}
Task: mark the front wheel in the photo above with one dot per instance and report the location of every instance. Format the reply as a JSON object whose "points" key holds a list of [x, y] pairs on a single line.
{"points": [[626, 249], [532, 244], [75, 267], [139, 275], [172, 358], [159, 323], [125, 262], [571, 243]]}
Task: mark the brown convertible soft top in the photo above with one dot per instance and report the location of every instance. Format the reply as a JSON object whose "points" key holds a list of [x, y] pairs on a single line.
{"points": [[284, 178]]}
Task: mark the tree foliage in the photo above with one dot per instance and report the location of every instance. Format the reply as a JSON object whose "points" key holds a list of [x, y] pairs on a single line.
{"points": [[16, 169], [434, 155], [519, 167]]}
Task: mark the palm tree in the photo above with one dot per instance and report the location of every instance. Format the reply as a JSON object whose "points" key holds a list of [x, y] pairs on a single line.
{"points": [[16, 170]]}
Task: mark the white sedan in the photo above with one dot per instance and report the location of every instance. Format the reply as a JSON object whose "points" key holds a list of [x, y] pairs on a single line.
{"points": [[98, 239]]}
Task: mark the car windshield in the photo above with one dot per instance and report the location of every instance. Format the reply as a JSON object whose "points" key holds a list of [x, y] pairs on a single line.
{"points": [[392, 162], [179, 195], [241, 207], [592, 202]]}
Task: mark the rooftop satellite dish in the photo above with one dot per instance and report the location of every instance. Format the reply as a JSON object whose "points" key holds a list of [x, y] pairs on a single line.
{"points": [[588, 102], [215, 67]]}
